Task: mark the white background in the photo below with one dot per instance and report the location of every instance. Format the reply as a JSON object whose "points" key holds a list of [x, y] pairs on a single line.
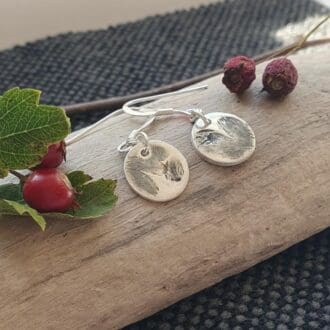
{"points": [[27, 20]]}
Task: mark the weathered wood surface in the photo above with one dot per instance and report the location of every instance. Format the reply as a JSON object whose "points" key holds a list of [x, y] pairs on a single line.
{"points": [[145, 256]]}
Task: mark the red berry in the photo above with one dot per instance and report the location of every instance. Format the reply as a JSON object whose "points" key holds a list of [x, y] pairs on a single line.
{"points": [[54, 156], [49, 190], [280, 77], [239, 72]]}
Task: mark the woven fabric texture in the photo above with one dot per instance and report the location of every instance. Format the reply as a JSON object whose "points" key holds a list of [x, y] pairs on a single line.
{"points": [[289, 291], [78, 67]]}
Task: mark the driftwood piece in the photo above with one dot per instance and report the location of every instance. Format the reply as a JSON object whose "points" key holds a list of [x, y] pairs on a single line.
{"points": [[145, 256]]}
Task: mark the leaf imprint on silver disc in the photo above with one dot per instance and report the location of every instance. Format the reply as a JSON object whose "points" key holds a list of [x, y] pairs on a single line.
{"points": [[160, 174], [227, 140]]}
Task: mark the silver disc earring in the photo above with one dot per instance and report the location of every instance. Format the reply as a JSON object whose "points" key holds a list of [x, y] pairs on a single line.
{"points": [[219, 138], [224, 140], [155, 170]]}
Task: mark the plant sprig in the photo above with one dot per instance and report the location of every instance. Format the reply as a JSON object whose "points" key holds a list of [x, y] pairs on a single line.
{"points": [[27, 130]]}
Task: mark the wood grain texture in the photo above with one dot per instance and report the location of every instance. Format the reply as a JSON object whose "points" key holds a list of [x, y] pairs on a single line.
{"points": [[145, 256]]}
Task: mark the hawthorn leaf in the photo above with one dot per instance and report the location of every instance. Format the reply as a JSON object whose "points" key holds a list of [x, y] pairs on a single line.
{"points": [[95, 198], [78, 178], [12, 203], [12, 192], [3, 172], [8, 207], [27, 129]]}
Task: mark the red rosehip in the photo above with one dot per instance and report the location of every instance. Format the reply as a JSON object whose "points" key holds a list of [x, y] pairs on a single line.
{"points": [[49, 190], [280, 77], [239, 72], [54, 157]]}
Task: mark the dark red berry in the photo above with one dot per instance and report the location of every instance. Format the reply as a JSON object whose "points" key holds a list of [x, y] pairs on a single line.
{"points": [[49, 190], [239, 72], [280, 77], [54, 157]]}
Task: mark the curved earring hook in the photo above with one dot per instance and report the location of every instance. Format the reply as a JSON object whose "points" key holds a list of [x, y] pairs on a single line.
{"points": [[135, 136], [132, 108]]}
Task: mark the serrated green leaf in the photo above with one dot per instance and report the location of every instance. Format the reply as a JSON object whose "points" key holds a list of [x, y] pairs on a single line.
{"points": [[27, 128], [3, 172], [12, 192], [8, 207], [12, 203], [95, 198], [78, 178]]}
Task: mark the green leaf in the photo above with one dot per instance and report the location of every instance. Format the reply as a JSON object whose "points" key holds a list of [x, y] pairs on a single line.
{"points": [[78, 178], [12, 203], [27, 128], [95, 198], [12, 192], [3, 172], [8, 207]]}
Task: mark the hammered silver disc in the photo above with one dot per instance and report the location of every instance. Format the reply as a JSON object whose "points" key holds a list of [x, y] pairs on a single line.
{"points": [[228, 140], [159, 172]]}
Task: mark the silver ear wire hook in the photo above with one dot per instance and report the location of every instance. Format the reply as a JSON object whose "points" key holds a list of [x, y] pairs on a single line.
{"points": [[134, 108], [131, 109], [220, 138], [137, 135], [196, 114]]}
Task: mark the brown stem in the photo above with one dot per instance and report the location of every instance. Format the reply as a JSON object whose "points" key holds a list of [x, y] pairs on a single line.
{"points": [[117, 102], [21, 177], [308, 34]]}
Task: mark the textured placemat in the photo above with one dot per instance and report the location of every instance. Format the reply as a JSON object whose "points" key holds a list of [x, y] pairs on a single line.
{"points": [[77, 67], [290, 291]]}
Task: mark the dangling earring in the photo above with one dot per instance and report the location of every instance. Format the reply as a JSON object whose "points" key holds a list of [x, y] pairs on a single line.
{"points": [[219, 138], [155, 170], [159, 172]]}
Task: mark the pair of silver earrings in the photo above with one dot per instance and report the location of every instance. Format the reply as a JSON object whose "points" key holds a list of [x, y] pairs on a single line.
{"points": [[159, 172]]}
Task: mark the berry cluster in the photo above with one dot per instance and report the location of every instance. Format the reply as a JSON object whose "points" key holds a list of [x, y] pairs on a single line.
{"points": [[279, 78], [47, 189]]}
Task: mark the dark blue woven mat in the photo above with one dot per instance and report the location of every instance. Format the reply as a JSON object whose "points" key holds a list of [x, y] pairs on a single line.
{"points": [[290, 291], [77, 67]]}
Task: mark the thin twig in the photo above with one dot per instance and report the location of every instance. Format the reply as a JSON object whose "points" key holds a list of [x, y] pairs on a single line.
{"points": [[308, 34], [114, 103], [21, 177]]}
